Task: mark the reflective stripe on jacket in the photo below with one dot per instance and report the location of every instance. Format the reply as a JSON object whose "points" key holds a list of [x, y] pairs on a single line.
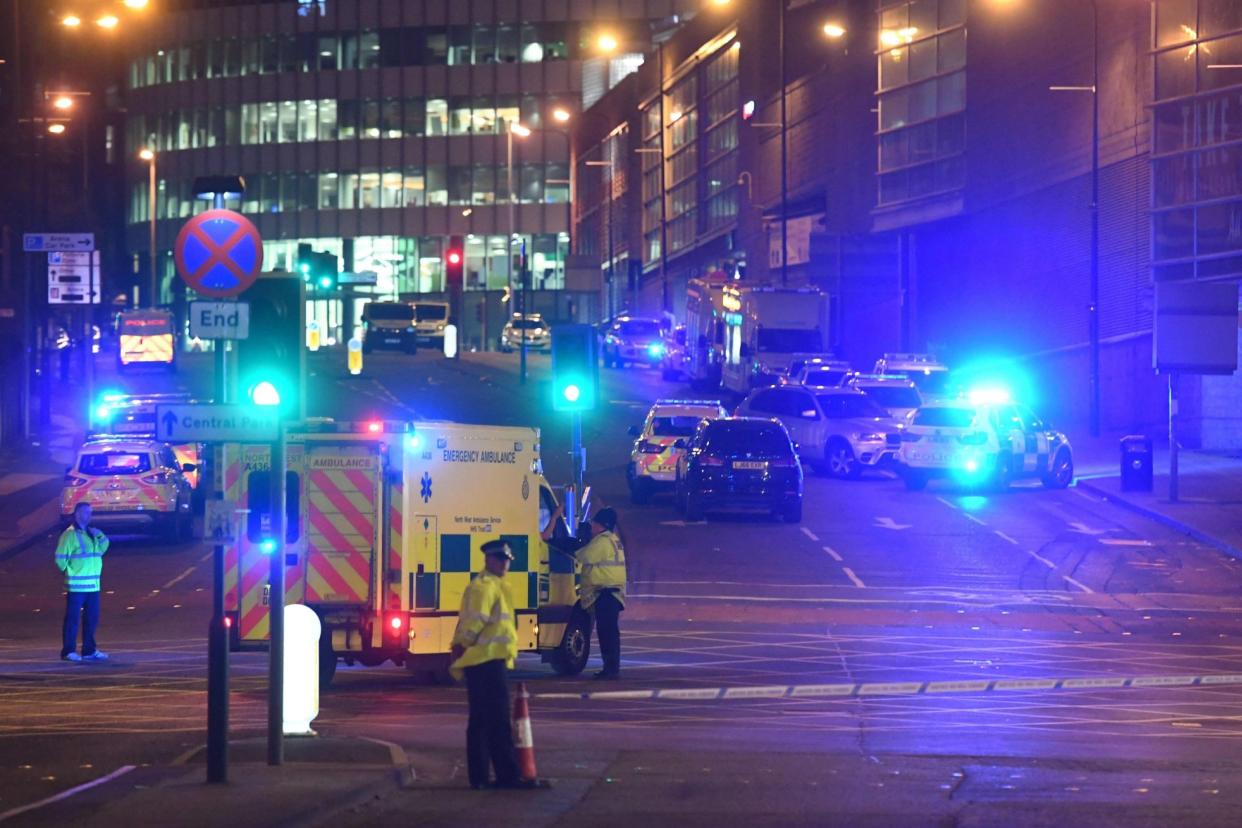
{"points": [[603, 567], [80, 556], [485, 625]]}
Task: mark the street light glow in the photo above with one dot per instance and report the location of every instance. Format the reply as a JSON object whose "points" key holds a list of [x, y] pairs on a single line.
{"points": [[62, 102], [71, 20], [136, 4], [146, 154], [561, 115], [606, 43], [834, 30], [56, 129], [108, 21], [520, 130]]}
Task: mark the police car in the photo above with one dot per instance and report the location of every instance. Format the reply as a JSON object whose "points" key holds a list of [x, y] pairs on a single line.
{"points": [[820, 372], [633, 340], [895, 393], [930, 375], [653, 460], [133, 483], [983, 439], [133, 415]]}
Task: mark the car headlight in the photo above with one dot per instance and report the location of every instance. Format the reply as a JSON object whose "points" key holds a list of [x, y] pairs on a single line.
{"points": [[869, 437]]}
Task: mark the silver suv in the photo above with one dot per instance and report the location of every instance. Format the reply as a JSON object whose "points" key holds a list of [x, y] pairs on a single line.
{"points": [[839, 430]]}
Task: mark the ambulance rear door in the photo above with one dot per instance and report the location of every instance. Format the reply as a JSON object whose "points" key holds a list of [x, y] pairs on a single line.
{"points": [[343, 506]]}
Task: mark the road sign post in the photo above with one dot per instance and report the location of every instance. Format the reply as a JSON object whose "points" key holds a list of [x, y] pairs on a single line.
{"points": [[276, 608], [219, 523]]}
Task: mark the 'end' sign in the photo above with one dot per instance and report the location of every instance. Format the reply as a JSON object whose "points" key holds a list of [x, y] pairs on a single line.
{"points": [[220, 320]]}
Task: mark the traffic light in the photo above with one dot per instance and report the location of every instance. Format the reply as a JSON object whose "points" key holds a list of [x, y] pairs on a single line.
{"points": [[454, 262], [272, 360], [318, 269], [575, 368]]}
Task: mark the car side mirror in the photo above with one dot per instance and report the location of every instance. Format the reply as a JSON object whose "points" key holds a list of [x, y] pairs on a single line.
{"points": [[188, 467], [634, 431], [679, 444]]}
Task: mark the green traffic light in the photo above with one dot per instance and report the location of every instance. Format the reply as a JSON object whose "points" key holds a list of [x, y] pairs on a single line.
{"points": [[325, 281], [572, 393], [264, 393]]}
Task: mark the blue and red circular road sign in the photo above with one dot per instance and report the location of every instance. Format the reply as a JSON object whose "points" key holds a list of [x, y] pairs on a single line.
{"points": [[219, 253]]}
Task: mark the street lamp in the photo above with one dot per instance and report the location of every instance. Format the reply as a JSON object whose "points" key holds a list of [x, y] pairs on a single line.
{"points": [[607, 43], [148, 155], [107, 21], [521, 131], [62, 102], [71, 21], [56, 128]]}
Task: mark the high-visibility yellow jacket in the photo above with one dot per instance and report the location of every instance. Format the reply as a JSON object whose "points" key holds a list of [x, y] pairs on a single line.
{"points": [[79, 554], [603, 567], [485, 625]]}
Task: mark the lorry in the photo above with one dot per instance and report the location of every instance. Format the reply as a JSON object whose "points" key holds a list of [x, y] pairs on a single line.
{"points": [[384, 527], [765, 327], [705, 330], [145, 338]]}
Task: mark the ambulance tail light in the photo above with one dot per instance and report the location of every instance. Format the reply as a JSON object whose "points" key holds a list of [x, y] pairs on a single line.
{"points": [[395, 626], [975, 438], [650, 448], [74, 482], [228, 621]]}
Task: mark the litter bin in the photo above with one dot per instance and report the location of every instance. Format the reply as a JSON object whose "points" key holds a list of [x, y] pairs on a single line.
{"points": [[1136, 464]]}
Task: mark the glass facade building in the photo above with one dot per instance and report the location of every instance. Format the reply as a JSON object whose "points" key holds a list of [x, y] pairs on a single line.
{"points": [[375, 129]]}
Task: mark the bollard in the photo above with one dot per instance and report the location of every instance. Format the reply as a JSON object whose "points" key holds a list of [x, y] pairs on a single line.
{"points": [[312, 336], [450, 341], [355, 356], [302, 631]]}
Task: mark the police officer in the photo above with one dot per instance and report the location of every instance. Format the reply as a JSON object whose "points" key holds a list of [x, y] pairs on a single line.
{"points": [[79, 555], [484, 649], [602, 588]]}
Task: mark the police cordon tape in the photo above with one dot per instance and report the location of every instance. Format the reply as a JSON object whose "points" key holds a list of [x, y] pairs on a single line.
{"points": [[896, 688]]}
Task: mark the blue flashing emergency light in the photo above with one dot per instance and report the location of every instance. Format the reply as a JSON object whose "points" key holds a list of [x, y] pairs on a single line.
{"points": [[267, 546], [414, 441], [990, 396], [656, 349]]}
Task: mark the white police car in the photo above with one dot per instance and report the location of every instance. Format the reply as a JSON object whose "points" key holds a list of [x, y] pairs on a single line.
{"points": [[653, 460], [983, 439]]}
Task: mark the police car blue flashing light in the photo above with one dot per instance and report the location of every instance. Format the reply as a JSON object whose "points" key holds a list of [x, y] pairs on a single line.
{"points": [[990, 396], [103, 412], [656, 349], [414, 441], [267, 546]]}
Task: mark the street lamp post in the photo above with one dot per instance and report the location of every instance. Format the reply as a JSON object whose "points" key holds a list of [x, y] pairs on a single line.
{"points": [[612, 286], [521, 131], [1093, 289], [148, 155]]}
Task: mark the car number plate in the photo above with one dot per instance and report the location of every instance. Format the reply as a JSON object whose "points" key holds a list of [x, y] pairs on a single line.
{"points": [[750, 465]]}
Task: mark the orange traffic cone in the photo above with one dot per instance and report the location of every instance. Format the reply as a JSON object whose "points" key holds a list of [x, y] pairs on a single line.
{"points": [[522, 738]]}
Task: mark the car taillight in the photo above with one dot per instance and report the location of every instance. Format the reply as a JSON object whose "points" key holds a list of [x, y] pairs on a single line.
{"points": [[74, 481], [976, 438], [157, 478], [709, 460], [907, 437], [650, 448]]}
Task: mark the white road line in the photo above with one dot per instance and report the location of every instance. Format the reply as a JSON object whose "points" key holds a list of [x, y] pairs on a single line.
{"points": [[179, 578], [1072, 582], [1042, 560], [809, 534], [971, 517], [1079, 584], [948, 503], [835, 556], [12, 812], [1004, 537], [849, 573], [206, 557], [1123, 542]]}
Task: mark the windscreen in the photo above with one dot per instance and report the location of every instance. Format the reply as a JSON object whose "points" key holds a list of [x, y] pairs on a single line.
{"points": [[824, 376], [944, 417], [681, 426], [430, 313], [842, 406], [528, 324], [747, 440], [638, 328], [894, 396], [390, 311], [115, 462], [789, 340], [934, 383]]}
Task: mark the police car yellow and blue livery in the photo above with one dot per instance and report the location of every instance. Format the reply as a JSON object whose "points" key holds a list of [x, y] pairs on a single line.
{"points": [[653, 458]]}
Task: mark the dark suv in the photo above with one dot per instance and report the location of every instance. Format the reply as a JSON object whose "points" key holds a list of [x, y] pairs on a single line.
{"points": [[739, 464]]}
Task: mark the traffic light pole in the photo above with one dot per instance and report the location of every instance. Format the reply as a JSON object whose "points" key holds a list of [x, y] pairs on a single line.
{"points": [[577, 456], [276, 607], [525, 316], [218, 671]]}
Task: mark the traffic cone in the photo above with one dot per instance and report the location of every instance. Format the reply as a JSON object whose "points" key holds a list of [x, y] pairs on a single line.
{"points": [[522, 738]]}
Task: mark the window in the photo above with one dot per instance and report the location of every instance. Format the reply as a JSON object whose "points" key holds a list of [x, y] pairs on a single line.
{"points": [[414, 188], [845, 406], [437, 116], [391, 194], [369, 190], [329, 191], [308, 121], [327, 119], [369, 50], [288, 121]]}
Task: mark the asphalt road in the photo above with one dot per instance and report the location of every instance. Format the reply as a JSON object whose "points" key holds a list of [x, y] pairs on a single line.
{"points": [[1034, 649]]}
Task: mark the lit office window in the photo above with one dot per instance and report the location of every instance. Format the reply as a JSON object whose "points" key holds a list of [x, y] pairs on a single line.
{"points": [[329, 191], [327, 119], [308, 121], [437, 116]]}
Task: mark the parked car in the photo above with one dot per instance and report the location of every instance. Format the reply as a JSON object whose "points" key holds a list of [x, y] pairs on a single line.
{"points": [[739, 464], [898, 395], [675, 364], [134, 483], [532, 328], [389, 326], [653, 459], [839, 430], [632, 339]]}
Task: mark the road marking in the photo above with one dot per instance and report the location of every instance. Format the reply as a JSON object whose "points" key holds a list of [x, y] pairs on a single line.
{"points": [[901, 688], [849, 573], [948, 503], [1083, 529], [1004, 537], [206, 557], [12, 812], [179, 578], [1078, 584], [889, 523], [1123, 542], [809, 534], [971, 517], [1053, 567], [835, 556]]}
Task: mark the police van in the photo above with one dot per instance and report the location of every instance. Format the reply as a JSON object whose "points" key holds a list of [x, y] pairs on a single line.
{"points": [[145, 337], [385, 524]]}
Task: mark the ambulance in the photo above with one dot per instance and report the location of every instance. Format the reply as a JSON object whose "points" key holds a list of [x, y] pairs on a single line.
{"points": [[385, 522], [765, 328], [705, 329], [146, 338]]}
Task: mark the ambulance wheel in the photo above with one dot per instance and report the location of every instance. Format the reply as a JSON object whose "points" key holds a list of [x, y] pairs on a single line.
{"points": [[327, 659], [570, 658], [1061, 472]]}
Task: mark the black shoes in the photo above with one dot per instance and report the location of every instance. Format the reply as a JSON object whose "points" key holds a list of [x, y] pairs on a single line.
{"points": [[608, 675]]}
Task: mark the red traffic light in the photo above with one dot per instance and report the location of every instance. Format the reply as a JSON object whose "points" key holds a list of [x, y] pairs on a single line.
{"points": [[454, 257], [454, 262]]}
